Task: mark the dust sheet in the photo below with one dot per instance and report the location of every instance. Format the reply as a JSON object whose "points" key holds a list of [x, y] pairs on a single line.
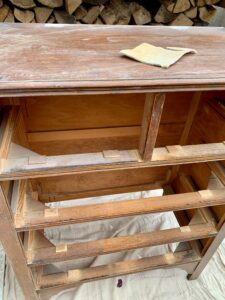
{"points": [[161, 284]]}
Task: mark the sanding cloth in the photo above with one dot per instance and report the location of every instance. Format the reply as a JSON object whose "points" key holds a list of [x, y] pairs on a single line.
{"points": [[157, 56]]}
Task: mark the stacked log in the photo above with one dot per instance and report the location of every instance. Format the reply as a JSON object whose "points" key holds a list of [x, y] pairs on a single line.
{"points": [[109, 12]]}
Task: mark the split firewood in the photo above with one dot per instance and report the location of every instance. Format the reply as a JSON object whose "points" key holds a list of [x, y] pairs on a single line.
{"points": [[63, 17], [51, 20], [24, 16], [95, 2], [192, 2], [206, 14], [140, 14], [4, 10], [122, 10], [169, 4], [200, 3], [23, 3], [92, 15], [181, 20], [98, 21], [108, 15], [72, 5], [191, 13], [42, 14], [164, 16], [181, 6], [1, 3], [80, 13], [51, 3], [211, 2], [10, 17]]}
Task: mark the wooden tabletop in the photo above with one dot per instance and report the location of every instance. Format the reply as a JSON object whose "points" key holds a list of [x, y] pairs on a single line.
{"points": [[49, 58]]}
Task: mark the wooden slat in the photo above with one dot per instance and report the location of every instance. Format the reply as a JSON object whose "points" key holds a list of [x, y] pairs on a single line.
{"points": [[42, 256], [7, 129], [12, 245], [150, 124], [15, 168], [37, 219], [79, 276]]}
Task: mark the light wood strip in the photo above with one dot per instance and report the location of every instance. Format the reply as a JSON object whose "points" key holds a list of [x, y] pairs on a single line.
{"points": [[7, 127], [124, 243], [79, 276], [37, 219], [13, 247], [15, 168], [150, 124]]}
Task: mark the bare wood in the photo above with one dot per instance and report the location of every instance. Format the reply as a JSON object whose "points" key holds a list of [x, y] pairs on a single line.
{"points": [[181, 20], [7, 129], [42, 14], [121, 268], [51, 3], [36, 219], [140, 14], [16, 168], [25, 4], [206, 14], [63, 17], [118, 244], [72, 5], [92, 14], [150, 124], [3, 12], [219, 170], [108, 15], [164, 16], [12, 246], [24, 16], [181, 6], [211, 250], [191, 13], [131, 74], [80, 13], [10, 17]]}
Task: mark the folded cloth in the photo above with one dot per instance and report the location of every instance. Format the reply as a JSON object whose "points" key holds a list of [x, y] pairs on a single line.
{"points": [[157, 56]]}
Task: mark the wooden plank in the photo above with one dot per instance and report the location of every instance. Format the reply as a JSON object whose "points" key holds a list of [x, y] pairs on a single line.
{"points": [[37, 219], [150, 124], [107, 67], [15, 168], [76, 277], [209, 253], [8, 124], [13, 248], [118, 244]]}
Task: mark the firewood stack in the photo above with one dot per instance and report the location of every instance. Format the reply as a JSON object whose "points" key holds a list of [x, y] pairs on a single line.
{"points": [[165, 12]]}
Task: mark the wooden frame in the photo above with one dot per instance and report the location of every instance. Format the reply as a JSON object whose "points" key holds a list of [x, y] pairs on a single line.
{"points": [[27, 178]]}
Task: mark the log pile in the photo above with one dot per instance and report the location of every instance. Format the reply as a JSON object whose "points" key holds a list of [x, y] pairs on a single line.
{"points": [[165, 12]]}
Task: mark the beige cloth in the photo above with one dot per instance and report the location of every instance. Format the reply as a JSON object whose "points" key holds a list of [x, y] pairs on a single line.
{"points": [[157, 56]]}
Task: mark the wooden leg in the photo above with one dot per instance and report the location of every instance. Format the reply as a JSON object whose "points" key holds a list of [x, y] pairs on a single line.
{"points": [[12, 245], [209, 253]]}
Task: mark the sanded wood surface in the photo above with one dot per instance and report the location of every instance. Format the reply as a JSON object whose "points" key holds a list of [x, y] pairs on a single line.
{"points": [[37, 217], [120, 268], [42, 256], [30, 165], [83, 58]]}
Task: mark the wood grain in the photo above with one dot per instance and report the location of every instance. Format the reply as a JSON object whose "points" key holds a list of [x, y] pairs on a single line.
{"points": [[34, 218], [107, 68], [42, 256]]}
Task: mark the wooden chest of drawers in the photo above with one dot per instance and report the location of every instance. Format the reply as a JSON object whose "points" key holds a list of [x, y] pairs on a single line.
{"points": [[80, 120]]}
